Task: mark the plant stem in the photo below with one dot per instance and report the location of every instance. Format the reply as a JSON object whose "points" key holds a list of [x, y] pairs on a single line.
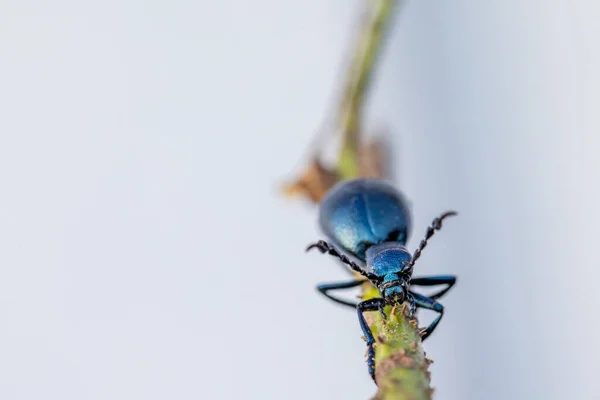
{"points": [[401, 366], [377, 15]]}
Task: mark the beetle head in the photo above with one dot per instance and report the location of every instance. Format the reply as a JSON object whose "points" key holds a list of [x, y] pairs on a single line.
{"points": [[393, 289]]}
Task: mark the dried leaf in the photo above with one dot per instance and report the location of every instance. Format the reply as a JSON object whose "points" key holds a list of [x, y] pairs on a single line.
{"points": [[313, 183]]}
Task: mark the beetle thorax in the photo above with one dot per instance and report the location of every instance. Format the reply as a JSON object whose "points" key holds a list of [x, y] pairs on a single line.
{"points": [[387, 258], [388, 261]]}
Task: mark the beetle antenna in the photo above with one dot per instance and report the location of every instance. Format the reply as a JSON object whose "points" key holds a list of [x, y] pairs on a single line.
{"points": [[436, 225], [324, 247]]}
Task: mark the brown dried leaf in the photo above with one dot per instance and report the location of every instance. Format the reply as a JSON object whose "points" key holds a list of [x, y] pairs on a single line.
{"points": [[372, 160], [314, 182]]}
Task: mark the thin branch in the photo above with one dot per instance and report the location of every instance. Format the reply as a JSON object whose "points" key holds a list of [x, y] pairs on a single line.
{"points": [[402, 369], [377, 16], [400, 362]]}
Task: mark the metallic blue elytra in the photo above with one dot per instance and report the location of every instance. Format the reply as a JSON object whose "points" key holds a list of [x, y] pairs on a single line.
{"points": [[368, 223], [360, 213]]}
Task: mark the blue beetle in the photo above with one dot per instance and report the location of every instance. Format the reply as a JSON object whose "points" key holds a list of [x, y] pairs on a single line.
{"points": [[368, 220]]}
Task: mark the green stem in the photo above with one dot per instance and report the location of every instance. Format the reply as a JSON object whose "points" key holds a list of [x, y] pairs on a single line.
{"points": [[401, 366], [378, 14]]}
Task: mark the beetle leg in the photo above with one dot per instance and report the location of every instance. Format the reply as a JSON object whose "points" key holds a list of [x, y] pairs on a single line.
{"points": [[382, 311], [369, 305], [413, 305], [326, 287], [448, 280], [429, 304]]}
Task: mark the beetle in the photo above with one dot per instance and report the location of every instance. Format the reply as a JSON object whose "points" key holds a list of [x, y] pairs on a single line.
{"points": [[367, 223]]}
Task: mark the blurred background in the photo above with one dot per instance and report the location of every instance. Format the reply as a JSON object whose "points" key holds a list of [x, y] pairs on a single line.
{"points": [[146, 251]]}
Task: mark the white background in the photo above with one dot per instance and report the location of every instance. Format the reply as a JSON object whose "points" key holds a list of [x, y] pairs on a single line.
{"points": [[145, 252]]}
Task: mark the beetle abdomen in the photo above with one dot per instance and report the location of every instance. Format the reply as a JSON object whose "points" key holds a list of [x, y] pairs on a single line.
{"points": [[360, 213]]}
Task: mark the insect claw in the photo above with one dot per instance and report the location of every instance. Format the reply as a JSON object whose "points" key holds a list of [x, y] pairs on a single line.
{"points": [[382, 312]]}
